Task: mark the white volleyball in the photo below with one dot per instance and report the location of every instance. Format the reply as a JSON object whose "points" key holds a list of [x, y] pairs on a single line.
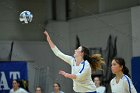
{"points": [[26, 17]]}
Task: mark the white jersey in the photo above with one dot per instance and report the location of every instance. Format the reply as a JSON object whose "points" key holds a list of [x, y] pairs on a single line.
{"points": [[100, 89], [59, 92], [83, 81], [124, 85], [20, 90]]}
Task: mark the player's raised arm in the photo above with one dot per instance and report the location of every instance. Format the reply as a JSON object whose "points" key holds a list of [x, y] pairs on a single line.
{"points": [[49, 39], [57, 52]]}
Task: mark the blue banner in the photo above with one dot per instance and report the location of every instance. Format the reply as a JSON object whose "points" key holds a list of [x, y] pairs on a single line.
{"points": [[9, 71], [135, 72]]}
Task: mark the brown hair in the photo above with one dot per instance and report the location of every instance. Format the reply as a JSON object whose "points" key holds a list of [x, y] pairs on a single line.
{"points": [[95, 60], [58, 85], [121, 62]]}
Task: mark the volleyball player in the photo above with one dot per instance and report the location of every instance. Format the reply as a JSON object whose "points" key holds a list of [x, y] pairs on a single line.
{"points": [[81, 67], [121, 83]]}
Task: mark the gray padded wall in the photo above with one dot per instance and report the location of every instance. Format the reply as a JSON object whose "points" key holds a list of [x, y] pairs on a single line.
{"points": [[94, 31], [135, 14]]}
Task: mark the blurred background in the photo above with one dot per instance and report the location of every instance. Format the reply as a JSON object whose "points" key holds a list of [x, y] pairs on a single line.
{"points": [[110, 27]]}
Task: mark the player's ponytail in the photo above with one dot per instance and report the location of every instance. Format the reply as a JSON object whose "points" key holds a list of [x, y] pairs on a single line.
{"points": [[126, 71], [95, 60]]}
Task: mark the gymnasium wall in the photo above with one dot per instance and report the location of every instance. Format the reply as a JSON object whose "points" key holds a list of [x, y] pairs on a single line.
{"points": [[94, 31], [109, 5], [135, 13], [10, 26]]}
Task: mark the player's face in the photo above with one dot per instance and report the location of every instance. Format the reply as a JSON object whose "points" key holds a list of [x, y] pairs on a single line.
{"points": [[38, 90], [15, 85], [116, 68], [78, 52], [97, 81], [55, 87]]}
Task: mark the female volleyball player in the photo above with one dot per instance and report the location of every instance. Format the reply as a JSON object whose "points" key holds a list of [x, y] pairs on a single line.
{"points": [[57, 88], [121, 83], [81, 67], [16, 87]]}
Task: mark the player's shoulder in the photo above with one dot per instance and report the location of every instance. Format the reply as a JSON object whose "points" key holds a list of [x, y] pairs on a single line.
{"points": [[112, 80], [101, 87], [61, 92], [86, 62], [11, 90], [126, 79], [23, 90]]}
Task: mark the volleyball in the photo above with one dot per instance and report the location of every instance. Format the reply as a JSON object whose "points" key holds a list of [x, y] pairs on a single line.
{"points": [[26, 17]]}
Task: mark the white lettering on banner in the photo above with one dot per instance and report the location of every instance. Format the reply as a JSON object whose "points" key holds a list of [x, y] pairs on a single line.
{"points": [[3, 82], [16, 75], [3, 79]]}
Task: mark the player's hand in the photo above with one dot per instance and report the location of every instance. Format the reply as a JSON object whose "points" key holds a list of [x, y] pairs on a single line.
{"points": [[47, 35], [61, 72], [49, 39]]}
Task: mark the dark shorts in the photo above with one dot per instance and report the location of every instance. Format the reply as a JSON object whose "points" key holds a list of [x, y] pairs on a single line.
{"points": [[92, 92], [88, 92]]}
